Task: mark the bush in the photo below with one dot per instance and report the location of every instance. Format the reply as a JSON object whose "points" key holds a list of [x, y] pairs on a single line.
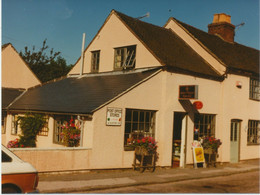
{"points": [[31, 125]]}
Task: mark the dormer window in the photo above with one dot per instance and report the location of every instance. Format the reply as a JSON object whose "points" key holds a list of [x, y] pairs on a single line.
{"points": [[125, 57], [254, 92], [95, 61]]}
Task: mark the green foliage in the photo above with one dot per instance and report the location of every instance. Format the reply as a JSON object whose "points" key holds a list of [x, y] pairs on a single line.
{"points": [[30, 125], [45, 67]]}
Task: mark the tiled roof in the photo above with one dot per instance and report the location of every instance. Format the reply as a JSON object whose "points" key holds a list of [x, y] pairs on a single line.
{"points": [[79, 95], [234, 55], [9, 95], [167, 47]]}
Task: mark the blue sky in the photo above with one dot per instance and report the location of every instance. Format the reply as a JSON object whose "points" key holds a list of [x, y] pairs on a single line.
{"points": [[62, 22]]}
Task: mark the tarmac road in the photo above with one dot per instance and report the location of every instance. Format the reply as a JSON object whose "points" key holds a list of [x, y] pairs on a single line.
{"points": [[134, 181], [238, 183]]}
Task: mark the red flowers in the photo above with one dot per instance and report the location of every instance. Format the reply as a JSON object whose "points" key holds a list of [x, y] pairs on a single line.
{"points": [[211, 142], [70, 134], [148, 143]]}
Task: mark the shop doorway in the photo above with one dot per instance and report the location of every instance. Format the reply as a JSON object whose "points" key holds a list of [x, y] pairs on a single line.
{"points": [[235, 140], [179, 139]]}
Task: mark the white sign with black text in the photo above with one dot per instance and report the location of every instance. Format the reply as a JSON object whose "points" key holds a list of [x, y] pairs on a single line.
{"points": [[114, 116]]}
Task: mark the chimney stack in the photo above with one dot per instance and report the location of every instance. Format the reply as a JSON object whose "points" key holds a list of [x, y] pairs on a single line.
{"points": [[222, 26]]}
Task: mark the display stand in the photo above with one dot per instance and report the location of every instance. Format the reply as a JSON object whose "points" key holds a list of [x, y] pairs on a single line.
{"points": [[198, 156]]}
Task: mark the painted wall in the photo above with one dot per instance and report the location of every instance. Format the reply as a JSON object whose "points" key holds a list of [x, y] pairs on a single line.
{"points": [[15, 72], [114, 34], [58, 159], [237, 105], [161, 94], [105, 144]]}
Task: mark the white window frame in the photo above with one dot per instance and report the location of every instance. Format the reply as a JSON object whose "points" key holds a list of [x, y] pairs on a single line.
{"points": [[14, 125], [139, 123], [253, 132], [254, 90], [95, 60]]}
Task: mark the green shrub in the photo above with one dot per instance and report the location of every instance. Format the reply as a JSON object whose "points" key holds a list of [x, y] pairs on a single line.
{"points": [[31, 125]]}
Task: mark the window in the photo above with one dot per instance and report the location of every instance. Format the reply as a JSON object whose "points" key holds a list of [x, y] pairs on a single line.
{"points": [[58, 129], [59, 122], [14, 126], [254, 92], [253, 132], [125, 57], [44, 131], [204, 125], [4, 115], [139, 123], [95, 61]]}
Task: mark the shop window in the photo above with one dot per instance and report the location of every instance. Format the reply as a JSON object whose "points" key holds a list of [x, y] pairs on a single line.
{"points": [[204, 125], [14, 125], [125, 57], [4, 116], [253, 132], [95, 58], [138, 123], [44, 131], [254, 92]]}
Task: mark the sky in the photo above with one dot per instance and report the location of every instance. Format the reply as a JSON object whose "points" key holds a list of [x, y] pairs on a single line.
{"points": [[62, 22]]}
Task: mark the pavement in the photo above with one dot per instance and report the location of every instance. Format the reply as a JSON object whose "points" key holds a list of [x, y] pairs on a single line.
{"points": [[69, 182]]}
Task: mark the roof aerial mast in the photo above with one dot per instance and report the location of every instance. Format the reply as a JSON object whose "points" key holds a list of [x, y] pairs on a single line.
{"points": [[146, 15], [239, 25]]}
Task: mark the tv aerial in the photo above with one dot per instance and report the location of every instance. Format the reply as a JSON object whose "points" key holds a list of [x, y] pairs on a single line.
{"points": [[146, 15], [239, 25]]}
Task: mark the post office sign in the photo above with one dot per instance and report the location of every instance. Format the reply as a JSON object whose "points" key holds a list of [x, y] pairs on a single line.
{"points": [[114, 116]]}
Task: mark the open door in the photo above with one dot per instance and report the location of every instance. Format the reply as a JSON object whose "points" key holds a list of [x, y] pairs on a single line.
{"points": [[179, 139]]}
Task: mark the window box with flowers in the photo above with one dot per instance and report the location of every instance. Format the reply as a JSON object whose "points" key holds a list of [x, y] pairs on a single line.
{"points": [[145, 152], [210, 146]]}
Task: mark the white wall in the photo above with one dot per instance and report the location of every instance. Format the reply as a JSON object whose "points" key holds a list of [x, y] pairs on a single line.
{"points": [[237, 105], [160, 93]]}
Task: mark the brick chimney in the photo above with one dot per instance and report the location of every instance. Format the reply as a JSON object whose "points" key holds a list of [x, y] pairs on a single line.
{"points": [[222, 26]]}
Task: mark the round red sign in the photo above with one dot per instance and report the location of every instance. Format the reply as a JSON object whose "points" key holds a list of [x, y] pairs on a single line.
{"points": [[198, 105]]}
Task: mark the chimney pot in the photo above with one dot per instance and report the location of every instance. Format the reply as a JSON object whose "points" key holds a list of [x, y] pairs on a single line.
{"points": [[222, 26]]}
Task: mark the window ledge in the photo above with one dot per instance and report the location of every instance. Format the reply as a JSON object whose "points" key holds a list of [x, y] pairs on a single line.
{"points": [[252, 144]]}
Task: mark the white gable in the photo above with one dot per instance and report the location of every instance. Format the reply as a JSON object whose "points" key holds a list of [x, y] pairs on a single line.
{"points": [[15, 72], [114, 34], [196, 46]]}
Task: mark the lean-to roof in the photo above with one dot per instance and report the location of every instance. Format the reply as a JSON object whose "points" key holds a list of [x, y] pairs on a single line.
{"points": [[79, 95]]}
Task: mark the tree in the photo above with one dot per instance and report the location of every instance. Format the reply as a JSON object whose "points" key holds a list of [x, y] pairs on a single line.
{"points": [[45, 66]]}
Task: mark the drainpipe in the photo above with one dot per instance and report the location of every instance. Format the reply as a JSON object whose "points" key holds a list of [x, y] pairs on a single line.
{"points": [[82, 54], [81, 131]]}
